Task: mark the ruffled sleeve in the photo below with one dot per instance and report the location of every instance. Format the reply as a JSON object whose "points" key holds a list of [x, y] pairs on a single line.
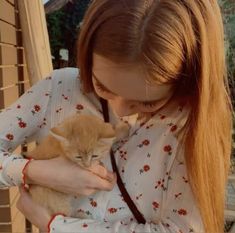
{"points": [[17, 124]]}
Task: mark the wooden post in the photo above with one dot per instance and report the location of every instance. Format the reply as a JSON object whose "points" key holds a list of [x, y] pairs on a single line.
{"points": [[35, 39]]}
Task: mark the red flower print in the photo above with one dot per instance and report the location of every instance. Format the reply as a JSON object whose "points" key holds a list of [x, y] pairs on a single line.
{"points": [[58, 110], [79, 107], [173, 128], [182, 212], [37, 108], [155, 205], [43, 123], [139, 196], [122, 154], [93, 203], [160, 183], [145, 142], [146, 168], [10, 137], [162, 117], [22, 124], [168, 149], [65, 97], [112, 210], [18, 106], [84, 225], [177, 195], [185, 180]]}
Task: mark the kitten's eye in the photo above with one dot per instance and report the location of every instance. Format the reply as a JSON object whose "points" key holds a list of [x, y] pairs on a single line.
{"points": [[78, 157], [95, 156]]}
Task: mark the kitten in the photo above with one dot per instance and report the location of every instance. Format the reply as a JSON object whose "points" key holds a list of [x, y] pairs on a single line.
{"points": [[83, 139]]}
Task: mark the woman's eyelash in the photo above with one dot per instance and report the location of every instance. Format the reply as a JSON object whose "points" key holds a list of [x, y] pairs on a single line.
{"points": [[101, 88], [146, 104]]}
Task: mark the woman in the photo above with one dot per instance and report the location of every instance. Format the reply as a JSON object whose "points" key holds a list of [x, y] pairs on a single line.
{"points": [[160, 65]]}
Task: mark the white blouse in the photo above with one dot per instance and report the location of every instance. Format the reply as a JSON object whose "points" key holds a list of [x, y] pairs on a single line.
{"points": [[154, 174]]}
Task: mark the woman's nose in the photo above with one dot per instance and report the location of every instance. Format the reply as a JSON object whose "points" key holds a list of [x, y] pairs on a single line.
{"points": [[123, 107]]}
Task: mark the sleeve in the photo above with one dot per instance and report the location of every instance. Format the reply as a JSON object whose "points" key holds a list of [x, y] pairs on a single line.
{"points": [[179, 213], [17, 124]]}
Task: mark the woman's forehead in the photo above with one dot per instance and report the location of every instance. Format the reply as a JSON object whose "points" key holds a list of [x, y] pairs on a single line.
{"points": [[127, 80]]}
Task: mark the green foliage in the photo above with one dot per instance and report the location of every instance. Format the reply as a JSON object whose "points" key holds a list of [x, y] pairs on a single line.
{"points": [[63, 28], [54, 24]]}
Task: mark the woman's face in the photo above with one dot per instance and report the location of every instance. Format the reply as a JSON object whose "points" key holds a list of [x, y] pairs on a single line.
{"points": [[125, 87]]}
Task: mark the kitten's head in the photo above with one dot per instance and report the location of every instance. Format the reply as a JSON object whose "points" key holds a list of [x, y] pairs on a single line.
{"points": [[85, 139]]}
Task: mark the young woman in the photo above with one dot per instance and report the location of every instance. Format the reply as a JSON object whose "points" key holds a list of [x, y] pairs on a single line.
{"points": [[160, 65]]}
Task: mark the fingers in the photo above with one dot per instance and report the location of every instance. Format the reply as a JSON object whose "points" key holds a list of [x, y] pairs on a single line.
{"points": [[88, 192], [102, 184], [103, 172]]}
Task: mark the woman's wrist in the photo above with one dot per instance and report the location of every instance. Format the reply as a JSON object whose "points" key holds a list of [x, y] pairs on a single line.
{"points": [[32, 171], [25, 178]]}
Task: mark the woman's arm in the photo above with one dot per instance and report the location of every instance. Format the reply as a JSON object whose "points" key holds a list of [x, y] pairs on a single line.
{"points": [[22, 120], [17, 124], [76, 181]]}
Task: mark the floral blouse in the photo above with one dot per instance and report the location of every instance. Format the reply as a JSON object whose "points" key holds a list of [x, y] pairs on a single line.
{"points": [[153, 172]]}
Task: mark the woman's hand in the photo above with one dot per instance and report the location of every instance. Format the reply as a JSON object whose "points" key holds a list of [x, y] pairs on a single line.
{"points": [[65, 176], [36, 214]]}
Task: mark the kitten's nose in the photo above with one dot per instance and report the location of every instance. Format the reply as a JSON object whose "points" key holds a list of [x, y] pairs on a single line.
{"points": [[87, 162]]}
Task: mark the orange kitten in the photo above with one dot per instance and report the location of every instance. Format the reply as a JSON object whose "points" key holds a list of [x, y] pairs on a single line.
{"points": [[83, 139]]}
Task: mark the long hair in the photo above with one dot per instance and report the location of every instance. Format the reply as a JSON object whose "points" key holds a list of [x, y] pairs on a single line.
{"points": [[179, 42]]}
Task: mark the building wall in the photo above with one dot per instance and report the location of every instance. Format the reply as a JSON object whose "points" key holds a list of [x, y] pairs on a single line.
{"points": [[13, 82]]}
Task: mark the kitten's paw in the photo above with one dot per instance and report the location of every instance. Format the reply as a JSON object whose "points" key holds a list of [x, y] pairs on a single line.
{"points": [[122, 130]]}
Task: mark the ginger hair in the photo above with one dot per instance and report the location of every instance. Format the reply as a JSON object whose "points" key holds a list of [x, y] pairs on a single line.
{"points": [[179, 42]]}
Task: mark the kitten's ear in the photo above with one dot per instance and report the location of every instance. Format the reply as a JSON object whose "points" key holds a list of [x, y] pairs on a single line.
{"points": [[57, 133], [107, 131]]}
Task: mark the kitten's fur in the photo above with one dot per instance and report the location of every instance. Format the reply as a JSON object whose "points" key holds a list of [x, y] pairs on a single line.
{"points": [[83, 139]]}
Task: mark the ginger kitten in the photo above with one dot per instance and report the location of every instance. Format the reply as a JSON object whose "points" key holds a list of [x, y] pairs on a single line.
{"points": [[83, 139]]}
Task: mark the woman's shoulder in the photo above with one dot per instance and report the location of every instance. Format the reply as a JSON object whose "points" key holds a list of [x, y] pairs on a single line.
{"points": [[66, 80], [66, 74]]}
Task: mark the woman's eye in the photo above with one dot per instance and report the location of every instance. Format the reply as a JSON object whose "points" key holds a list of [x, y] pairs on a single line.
{"points": [[147, 104], [95, 156], [101, 88]]}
